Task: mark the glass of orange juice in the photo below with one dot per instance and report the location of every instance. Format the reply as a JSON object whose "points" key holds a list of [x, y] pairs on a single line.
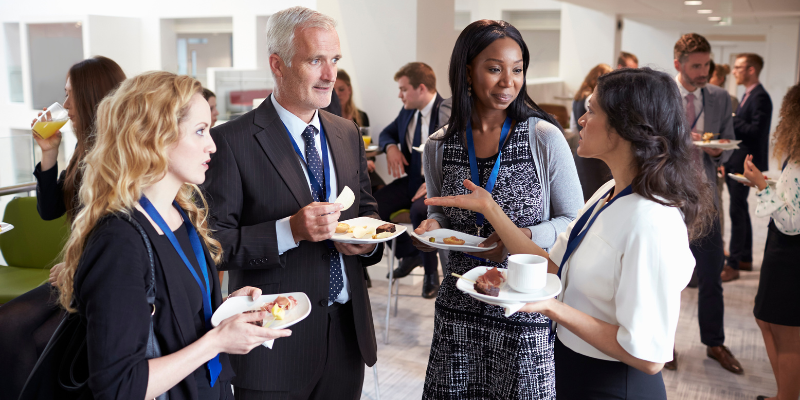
{"points": [[365, 135], [51, 120]]}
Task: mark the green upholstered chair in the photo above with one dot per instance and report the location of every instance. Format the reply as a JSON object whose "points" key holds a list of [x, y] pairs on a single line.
{"points": [[30, 249]]}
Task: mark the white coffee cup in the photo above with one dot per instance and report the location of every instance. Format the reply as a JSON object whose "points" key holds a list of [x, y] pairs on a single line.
{"points": [[527, 273]]}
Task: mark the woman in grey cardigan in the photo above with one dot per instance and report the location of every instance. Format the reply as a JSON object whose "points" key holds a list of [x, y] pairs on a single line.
{"points": [[501, 140]]}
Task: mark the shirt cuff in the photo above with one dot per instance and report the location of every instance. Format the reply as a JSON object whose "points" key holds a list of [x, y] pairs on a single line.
{"points": [[285, 237], [371, 253]]}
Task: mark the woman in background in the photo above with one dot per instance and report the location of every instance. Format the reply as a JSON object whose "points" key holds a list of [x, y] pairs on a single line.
{"points": [[593, 173], [777, 308], [211, 98]]}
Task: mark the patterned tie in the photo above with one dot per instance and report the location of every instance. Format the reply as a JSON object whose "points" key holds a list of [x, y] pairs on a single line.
{"points": [[315, 168], [415, 172], [690, 118]]}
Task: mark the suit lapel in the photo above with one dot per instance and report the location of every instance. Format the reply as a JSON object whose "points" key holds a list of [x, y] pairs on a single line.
{"points": [[277, 145], [337, 148], [434, 124], [710, 113]]}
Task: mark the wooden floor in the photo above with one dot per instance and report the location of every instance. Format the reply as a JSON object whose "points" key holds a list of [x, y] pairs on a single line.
{"points": [[402, 363]]}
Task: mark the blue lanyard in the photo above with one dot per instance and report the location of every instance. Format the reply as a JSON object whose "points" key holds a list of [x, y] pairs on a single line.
{"points": [[326, 171], [702, 108], [213, 365], [578, 232], [473, 164]]}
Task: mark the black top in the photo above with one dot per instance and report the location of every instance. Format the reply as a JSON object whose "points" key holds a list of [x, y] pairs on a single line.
{"points": [[110, 293], [50, 192], [592, 172], [364, 118]]}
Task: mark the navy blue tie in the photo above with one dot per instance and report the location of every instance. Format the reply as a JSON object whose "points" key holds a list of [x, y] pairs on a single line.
{"points": [[315, 167], [415, 172]]}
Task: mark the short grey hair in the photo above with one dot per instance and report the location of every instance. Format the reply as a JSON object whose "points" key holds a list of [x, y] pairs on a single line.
{"points": [[281, 27]]}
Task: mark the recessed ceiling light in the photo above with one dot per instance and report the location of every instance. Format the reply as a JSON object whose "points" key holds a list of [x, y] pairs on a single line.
{"points": [[692, 3], [715, 19], [704, 11]]}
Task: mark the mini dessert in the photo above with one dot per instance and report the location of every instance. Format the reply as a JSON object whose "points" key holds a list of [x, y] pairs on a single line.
{"points": [[489, 283], [342, 228], [453, 240], [360, 232], [707, 137], [724, 140], [382, 235], [385, 228], [278, 308]]}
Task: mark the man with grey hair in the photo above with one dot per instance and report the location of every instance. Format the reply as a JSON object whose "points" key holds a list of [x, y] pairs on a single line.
{"points": [[271, 187]]}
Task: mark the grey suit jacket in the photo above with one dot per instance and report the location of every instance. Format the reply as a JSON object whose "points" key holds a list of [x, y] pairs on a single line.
{"points": [[718, 119], [254, 180]]}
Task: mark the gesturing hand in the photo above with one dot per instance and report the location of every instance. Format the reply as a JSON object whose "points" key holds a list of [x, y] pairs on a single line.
{"points": [[421, 192], [396, 161], [753, 174], [315, 222], [479, 200]]}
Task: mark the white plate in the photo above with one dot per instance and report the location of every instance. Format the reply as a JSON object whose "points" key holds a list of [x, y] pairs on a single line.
{"points": [[742, 179], [372, 147], [5, 227], [715, 144], [470, 242], [370, 223], [508, 295], [240, 304]]}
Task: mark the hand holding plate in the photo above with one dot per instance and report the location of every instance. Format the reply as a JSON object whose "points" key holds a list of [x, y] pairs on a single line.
{"points": [[315, 222]]}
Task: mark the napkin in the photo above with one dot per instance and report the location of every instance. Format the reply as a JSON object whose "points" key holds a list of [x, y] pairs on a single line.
{"points": [[268, 344], [512, 308]]}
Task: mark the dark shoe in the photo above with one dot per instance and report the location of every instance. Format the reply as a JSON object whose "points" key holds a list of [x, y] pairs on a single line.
{"points": [[725, 358], [366, 276], [745, 265], [430, 286], [672, 365], [729, 274], [407, 264]]}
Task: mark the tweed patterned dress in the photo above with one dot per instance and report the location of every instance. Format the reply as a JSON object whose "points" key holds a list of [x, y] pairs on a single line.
{"points": [[476, 352]]}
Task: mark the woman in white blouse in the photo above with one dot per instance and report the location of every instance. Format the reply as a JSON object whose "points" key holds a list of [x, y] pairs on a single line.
{"points": [[627, 262], [777, 308]]}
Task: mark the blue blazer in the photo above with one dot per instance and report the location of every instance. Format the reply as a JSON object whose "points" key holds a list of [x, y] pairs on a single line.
{"points": [[395, 133], [751, 125]]}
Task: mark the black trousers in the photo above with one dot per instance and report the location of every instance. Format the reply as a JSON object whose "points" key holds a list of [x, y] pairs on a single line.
{"points": [[343, 375], [580, 377], [397, 196], [709, 260], [741, 245]]}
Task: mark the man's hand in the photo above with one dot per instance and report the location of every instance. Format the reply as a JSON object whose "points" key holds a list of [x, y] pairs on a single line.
{"points": [[350, 249], [712, 152], [315, 222], [421, 192], [370, 166], [396, 161]]}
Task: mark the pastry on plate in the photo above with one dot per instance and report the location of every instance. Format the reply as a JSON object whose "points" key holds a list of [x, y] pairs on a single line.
{"points": [[382, 235], [342, 228], [453, 240]]}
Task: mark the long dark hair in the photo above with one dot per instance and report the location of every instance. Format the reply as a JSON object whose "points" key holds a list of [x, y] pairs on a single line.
{"points": [[471, 42], [91, 79], [644, 107]]}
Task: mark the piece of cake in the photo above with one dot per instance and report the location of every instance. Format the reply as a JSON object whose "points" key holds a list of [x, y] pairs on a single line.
{"points": [[489, 283], [386, 228]]}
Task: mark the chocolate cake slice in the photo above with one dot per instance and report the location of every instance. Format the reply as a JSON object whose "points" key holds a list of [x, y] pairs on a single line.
{"points": [[489, 283], [385, 228]]}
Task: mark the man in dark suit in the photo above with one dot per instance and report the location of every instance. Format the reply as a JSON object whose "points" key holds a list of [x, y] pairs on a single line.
{"points": [[708, 109], [751, 125], [418, 119], [270, 186]]}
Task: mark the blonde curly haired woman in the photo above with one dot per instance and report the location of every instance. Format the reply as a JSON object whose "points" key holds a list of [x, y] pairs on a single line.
{"points": [[148, 171]]}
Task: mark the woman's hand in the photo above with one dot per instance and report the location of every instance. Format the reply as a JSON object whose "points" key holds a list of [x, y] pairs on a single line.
{"points": [[479, 200], [54, 273], [542, 307], [236, 335], [49, 146], [499, 253], [752, 173], [253, 292], [425, 226]]}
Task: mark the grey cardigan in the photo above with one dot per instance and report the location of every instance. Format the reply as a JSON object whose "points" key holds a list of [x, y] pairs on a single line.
{"points": [[562, 196]]}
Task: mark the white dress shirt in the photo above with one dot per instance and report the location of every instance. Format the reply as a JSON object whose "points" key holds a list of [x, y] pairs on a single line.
{"points": [[283, 229], [698, 106], [629, 271], [424, 129]]}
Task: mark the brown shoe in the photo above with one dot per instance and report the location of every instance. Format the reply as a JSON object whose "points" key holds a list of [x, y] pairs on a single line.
{"points": [[729, 274], [725, 358], [672, 365], [745, 265]]}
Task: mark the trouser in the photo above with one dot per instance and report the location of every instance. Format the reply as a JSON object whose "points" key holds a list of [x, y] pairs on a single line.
{"points": [[397, 196], [741, 244], [709, 260], [343, 374]]}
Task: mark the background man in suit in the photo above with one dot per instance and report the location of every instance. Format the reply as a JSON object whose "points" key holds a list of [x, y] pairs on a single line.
{"points": [[418, 119], [708, 109], [751, 125], [271, 183]]}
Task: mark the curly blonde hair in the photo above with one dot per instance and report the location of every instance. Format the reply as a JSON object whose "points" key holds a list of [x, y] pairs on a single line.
{"points": [[136, 127], [787, 134]]}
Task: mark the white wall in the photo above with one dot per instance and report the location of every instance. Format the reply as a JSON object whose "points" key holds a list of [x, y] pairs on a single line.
{"points": [[587, 39], [124, 46], [652, 46]]}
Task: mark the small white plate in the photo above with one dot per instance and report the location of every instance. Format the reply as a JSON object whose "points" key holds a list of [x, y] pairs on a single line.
{"points": [[370, 223], [5, 227], [372, 147], [508, 295], [715, 144], [742, 179], [240, 304], [470, 242]]}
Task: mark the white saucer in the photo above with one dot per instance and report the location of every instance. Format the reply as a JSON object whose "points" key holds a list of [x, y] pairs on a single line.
{"points": [[508, 295]]}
